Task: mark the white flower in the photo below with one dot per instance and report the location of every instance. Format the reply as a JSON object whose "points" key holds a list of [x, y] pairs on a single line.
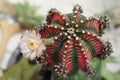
{"points": [[31, 44]]}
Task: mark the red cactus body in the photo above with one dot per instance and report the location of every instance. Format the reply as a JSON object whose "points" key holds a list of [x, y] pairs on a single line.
{"points": [[76, 40]]}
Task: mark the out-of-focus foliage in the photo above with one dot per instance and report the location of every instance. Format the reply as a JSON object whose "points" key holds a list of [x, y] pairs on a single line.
{"points": [[101, 71], [27, 15], [22, 71]]}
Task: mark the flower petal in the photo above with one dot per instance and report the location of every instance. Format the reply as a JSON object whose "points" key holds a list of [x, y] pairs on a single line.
{"points": [[33, 55]]}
